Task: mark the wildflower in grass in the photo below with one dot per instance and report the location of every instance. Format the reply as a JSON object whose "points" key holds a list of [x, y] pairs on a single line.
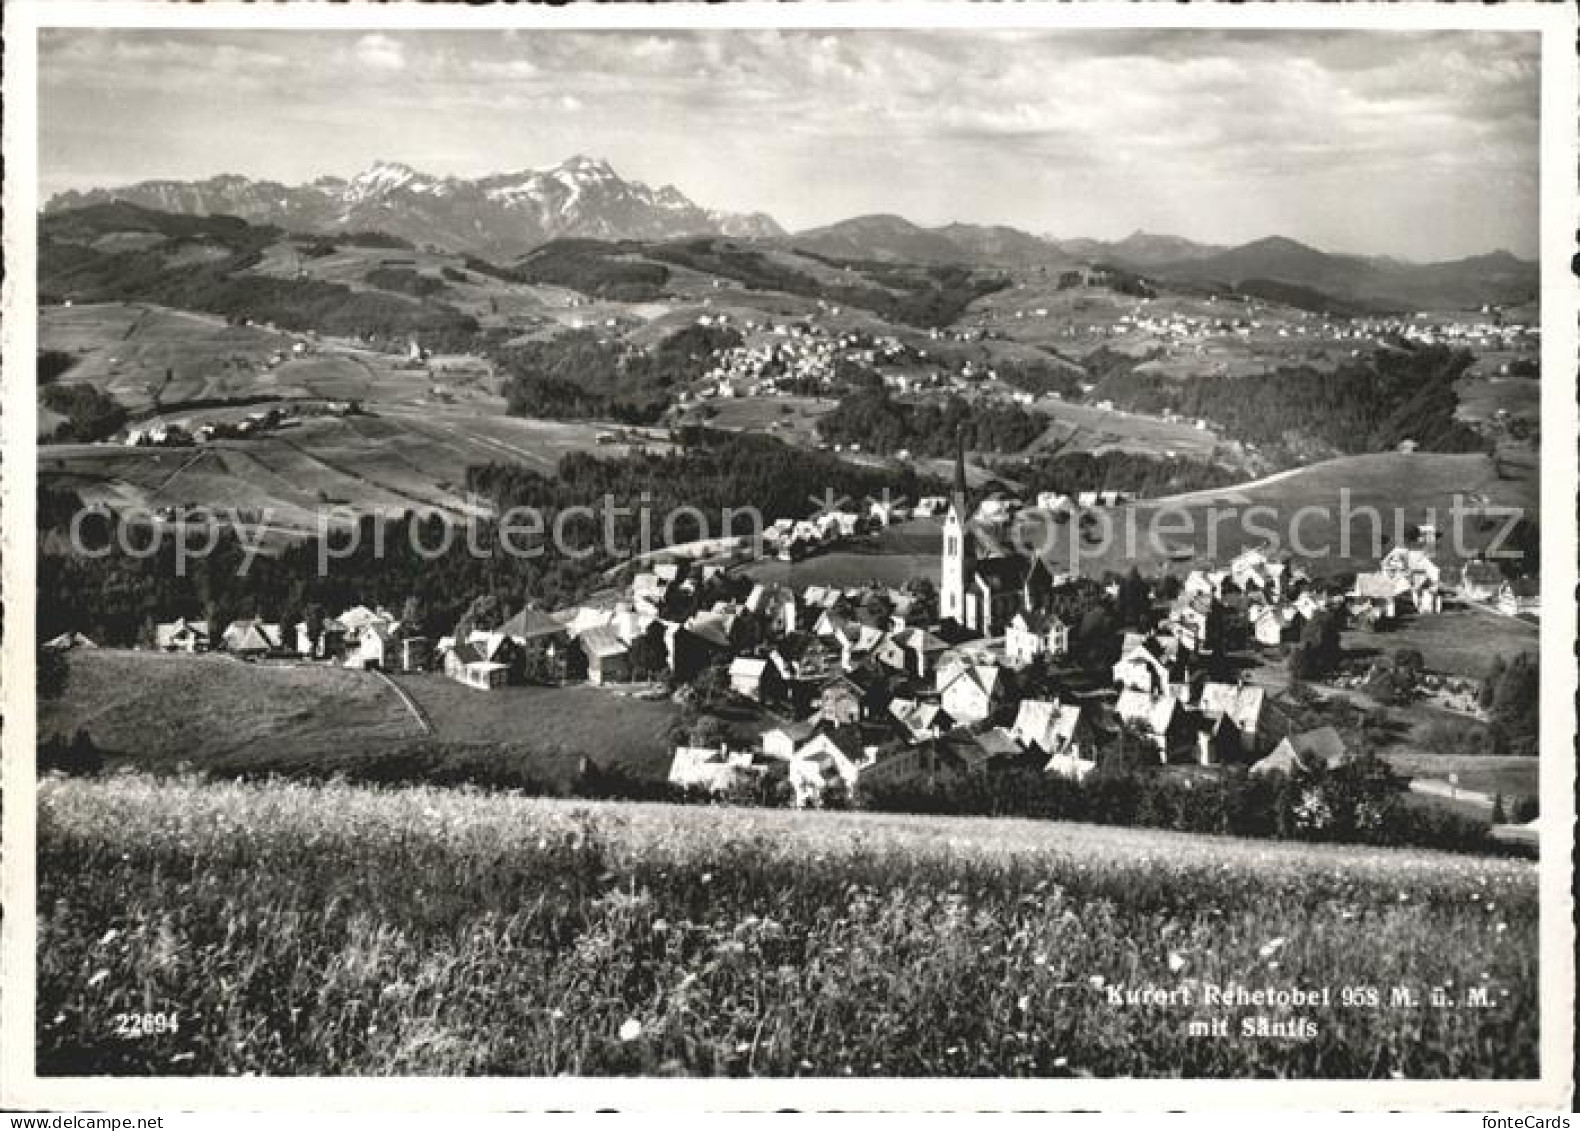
{"points": [[631, 1029]]}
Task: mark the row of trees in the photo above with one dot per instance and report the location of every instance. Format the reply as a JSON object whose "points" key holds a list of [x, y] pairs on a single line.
{"points": [[878, 422]]}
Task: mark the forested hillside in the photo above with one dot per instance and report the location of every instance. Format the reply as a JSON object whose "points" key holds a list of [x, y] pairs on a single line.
{"points": [[1369, 404]]}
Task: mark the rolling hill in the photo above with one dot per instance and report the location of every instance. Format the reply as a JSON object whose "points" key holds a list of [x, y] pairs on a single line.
{"points": [[1383, 283]]}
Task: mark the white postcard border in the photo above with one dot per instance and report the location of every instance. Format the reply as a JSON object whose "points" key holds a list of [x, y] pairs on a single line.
{"points": [[21, 1088]]}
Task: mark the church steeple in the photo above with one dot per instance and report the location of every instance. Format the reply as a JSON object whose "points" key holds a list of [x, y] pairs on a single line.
{"points": [[958, 566], [962, 492]]}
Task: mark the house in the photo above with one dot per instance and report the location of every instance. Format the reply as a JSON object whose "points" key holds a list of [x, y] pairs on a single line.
{"points": [[841, 701], [354, 621], [856, 641], [925, 764], [1414, 566], [465, 663], [755, 678], [1376, 595], [780, 743], [412, 654], [1160, 719], [498, 647], [608, 656], [984, 750], [66, 641], [931, 506], [1030, 635], [1520, 595], [970, 693], [1480, 580], [182, 635], [1143, 665], [1272, 625], [1241, 703], [1059, 731], [715, 769], [828, 762], [1303, 751], [919, 719], [376, 647], [252, 638], [542, 644], [330, 643]]}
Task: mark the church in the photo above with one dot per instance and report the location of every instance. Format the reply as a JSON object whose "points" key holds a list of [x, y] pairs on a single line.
{"points": [[983, 582]]}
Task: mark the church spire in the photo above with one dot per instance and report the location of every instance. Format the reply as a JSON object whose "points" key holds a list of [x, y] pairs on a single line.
{"points": [[962, 495]]}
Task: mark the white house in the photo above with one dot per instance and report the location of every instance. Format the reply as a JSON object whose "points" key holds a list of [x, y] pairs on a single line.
{"points": [[182, 635], [970, 693], [1032, 634], [713, 768], [824, 763], [1059, 731]]}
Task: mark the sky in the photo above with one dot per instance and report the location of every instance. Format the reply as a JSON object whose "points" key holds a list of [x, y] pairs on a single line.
{"points": [[1420, 145]]}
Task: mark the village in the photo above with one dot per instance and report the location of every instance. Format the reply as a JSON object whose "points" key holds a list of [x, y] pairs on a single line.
{"points": [[827, 690]]}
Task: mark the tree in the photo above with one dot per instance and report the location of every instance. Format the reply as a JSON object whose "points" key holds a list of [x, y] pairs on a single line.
{"points": [[413, 615], [52, 672], [1135, 600], [1516, 703], [1489, 684]]}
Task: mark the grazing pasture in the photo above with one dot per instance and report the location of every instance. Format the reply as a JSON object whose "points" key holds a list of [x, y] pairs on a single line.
{"points": [[339, 930], [157, 711], [402, 459], [145, 356], [550, 729]]}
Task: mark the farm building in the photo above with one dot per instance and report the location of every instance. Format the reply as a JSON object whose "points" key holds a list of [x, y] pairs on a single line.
{"points": [[252, 639], [1303, 751], [182, 635], [1521, 595], [608, 657], [712, 768], [67, 641], [465, 663]]}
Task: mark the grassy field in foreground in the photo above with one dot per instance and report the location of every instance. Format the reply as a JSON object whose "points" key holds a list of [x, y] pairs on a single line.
{"points": [[336, 930]]}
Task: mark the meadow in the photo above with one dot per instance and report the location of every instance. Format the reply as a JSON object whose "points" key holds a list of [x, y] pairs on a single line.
{"points": [[341, 930]]}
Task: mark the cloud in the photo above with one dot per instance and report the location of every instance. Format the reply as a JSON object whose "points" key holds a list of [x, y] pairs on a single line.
{"points": [[380, 52], [995, 126]]}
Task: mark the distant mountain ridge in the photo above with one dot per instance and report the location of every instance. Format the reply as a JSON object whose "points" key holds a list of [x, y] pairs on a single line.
{"points": [[502, 214], [507, 214], [1497, 277]]}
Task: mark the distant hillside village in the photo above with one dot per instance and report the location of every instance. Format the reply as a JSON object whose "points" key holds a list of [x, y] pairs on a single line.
{"points": [[822, 692]]}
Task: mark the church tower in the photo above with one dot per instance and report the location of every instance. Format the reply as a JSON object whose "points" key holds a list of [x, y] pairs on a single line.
{"points": [[958, 567]]}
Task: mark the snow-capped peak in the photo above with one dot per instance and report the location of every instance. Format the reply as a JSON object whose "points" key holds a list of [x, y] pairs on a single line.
{"points": [[382, 178]]}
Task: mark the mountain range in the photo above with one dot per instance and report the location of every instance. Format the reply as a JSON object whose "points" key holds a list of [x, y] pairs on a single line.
{"points": [[504, 215]]}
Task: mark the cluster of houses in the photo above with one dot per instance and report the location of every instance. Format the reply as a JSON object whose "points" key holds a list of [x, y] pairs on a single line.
{"points": [[882, 686], [185, 433], [782, 356], [358, 638]]}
